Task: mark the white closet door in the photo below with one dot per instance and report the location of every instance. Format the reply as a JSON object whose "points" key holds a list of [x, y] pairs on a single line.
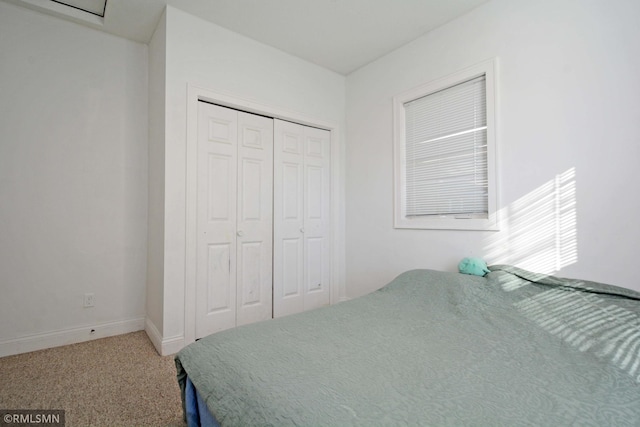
{"points": [[301, 267], [216, 219], [235, 222], [255, 218], [317, 227], [288, 214]]}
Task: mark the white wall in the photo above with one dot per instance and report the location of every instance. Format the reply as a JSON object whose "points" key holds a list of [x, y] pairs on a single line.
{"points": [[73, 181], [203, 54], [568, 93]]}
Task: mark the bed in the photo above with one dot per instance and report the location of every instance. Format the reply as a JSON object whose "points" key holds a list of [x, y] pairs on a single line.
{"points": [[430, 348]]}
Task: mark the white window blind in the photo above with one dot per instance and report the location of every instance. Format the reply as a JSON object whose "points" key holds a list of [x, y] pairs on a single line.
{"points": [[446, 152]]}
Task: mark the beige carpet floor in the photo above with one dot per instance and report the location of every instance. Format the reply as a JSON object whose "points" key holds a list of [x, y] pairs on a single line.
{"points": [[116, 381]]}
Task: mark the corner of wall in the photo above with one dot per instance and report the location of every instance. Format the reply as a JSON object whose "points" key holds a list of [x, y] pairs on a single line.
{"points": [[164, 346], [156, 177]]}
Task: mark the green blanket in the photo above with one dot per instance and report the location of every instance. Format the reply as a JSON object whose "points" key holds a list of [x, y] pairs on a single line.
{"points": [[433, 348]]}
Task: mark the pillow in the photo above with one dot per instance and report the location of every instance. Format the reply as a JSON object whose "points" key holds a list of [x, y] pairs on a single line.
{"points": [[475, 266]]}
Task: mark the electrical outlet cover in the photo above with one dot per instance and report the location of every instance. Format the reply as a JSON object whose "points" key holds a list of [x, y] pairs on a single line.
{"points": [[89, 300]]}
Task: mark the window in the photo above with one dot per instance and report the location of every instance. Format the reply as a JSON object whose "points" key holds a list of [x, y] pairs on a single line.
{"points": [[444, 148]]}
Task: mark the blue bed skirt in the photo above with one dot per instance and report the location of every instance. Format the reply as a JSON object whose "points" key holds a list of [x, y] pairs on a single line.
{"points": [[198, 414]]}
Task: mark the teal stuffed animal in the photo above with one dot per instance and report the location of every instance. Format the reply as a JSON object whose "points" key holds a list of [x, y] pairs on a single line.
{"points": [[475, 266]]}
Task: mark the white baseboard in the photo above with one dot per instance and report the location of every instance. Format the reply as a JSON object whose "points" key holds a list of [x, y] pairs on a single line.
{"points": [[154, 335], [69, 336], [172, 345], [164, 346]]}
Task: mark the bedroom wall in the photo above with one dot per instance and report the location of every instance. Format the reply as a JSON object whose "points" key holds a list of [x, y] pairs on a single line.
{"points": [[569, 120], [73, 181], [203, 54]]}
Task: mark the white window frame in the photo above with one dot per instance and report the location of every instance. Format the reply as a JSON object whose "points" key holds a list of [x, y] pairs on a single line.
{"points": [[401, 220]]}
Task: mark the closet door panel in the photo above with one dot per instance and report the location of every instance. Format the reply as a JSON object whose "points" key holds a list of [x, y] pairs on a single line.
{"points": [[291, 265], [301, 218], [291, 193], [219, 294], [251, 279], [255, 218], [216, 218], [315, 263], [317, 193], [288, 232], [220, 199]]}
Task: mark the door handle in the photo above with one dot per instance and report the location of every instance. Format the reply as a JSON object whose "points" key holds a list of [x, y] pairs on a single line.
{"points": [[240, 233], [302, 230]]}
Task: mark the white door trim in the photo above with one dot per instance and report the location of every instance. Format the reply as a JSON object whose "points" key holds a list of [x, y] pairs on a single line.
{"points": [[197, 93]]}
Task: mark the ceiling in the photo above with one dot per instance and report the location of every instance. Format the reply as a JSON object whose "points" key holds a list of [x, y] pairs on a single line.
{"points": [[341, 35]]}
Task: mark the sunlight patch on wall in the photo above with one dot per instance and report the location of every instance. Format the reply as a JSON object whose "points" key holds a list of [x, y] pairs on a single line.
{"points": [[539, 229]]}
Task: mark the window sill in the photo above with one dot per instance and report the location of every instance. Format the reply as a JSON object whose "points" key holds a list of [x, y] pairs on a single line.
{"points": [[439, 223]]}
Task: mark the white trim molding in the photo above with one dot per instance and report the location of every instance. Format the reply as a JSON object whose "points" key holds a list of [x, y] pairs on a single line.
{"points": [[69, 336]]}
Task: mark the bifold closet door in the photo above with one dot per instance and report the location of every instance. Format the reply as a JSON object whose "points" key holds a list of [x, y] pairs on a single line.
{"points": [[234, 219], [301, 231]]}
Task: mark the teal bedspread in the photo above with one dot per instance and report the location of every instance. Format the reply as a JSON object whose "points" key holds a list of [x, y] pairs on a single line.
{"points": [[434, 349]]}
